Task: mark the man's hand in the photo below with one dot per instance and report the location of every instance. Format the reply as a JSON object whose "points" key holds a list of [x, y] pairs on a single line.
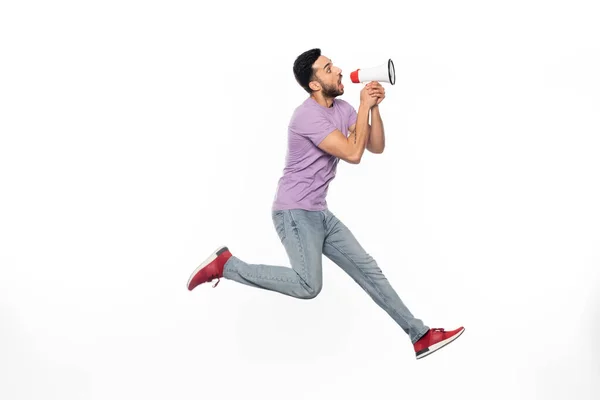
{"points": [[375, 89], [367, 98]]}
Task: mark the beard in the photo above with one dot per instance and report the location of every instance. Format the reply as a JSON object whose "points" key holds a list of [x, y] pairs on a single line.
{"points": [[331, 91]]}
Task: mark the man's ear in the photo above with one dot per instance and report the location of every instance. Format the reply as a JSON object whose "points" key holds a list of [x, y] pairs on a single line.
{"points": [[314, 85]]}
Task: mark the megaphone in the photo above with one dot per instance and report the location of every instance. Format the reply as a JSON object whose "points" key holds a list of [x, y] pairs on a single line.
{"points": [[382, 73]]}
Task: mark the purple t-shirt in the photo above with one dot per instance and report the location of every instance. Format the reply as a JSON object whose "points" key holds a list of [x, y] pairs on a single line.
{"points": [[308, 169]]}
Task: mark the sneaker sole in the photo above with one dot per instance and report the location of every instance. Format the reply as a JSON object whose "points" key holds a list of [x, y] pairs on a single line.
{"points": [[438, 345], [210, 259]]}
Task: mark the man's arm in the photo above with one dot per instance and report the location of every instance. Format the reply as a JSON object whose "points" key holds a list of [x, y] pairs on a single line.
{"points": [[351, 148], [376, 142]]}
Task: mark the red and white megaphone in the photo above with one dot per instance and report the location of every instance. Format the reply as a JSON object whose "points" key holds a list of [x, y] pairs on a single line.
{"points": [[382, 73]]}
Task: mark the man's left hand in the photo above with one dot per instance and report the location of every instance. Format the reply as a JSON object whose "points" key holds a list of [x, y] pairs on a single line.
{"points": [[376, 90]]}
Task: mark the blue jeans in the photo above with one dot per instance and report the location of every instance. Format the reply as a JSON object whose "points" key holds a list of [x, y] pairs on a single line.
{"points": [[306, 236]]}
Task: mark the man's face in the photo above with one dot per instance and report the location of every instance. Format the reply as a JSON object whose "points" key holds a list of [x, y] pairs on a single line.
{"points": [[329, 77]]}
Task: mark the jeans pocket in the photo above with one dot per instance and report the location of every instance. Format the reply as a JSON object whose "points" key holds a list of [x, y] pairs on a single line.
{"points": [[279, 223]]}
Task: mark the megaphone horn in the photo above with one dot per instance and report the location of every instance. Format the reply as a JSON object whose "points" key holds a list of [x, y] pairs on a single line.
{"points": [[382, 73]]}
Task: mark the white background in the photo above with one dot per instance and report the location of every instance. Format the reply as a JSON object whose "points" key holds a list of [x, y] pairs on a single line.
{"points": [[136, 137]]}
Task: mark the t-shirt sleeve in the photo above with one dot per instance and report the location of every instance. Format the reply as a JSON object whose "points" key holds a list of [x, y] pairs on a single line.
{"points": [[313, 127]]}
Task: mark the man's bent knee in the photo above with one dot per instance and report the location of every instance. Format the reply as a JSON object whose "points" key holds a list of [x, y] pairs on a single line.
{"points": [[312, 290]]}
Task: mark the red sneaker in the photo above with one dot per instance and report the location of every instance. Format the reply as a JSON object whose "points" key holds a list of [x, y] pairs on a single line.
{"points": [[211, 268], [434, 340]]}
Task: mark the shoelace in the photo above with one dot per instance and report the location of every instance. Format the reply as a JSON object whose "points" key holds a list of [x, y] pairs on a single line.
{"points": [[215, 277], [438, 329]]}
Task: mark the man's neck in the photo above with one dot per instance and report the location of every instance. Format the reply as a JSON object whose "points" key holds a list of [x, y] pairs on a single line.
{"points": [[324, 101]]}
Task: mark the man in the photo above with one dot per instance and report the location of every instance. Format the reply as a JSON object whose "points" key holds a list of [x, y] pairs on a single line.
{"points": [[323, 130]]}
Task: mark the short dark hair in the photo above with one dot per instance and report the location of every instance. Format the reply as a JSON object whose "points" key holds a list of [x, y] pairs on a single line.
{"points": [[303, 67]]}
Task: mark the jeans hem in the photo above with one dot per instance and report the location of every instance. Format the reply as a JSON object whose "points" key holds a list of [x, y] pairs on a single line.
{"points": [[420, 335]]}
